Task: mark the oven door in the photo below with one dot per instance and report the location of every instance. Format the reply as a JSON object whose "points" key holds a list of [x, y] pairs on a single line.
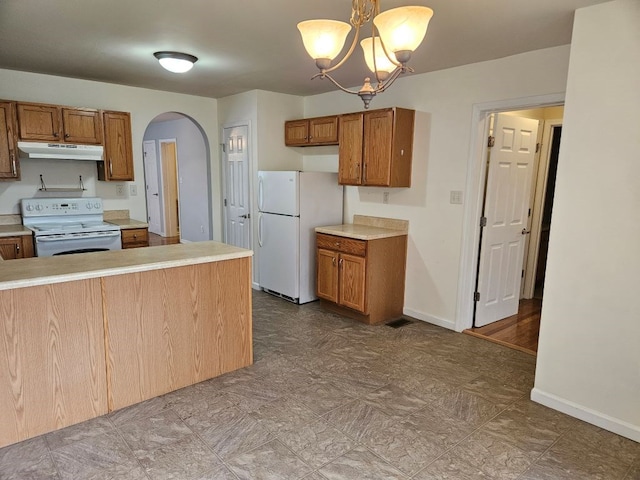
{"points": [[48, 246]]}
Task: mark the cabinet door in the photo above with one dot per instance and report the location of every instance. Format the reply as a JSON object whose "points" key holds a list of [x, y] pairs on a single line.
{"points": [[296, 132], [350, 150], [378, 135], [39, 122], [352, 282], [82, 126], [327, 281], [10, 248], [118, 153], [323, 130], [9, 165]]}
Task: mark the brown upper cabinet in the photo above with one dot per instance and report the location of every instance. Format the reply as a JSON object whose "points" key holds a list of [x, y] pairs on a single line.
{"points": [[9, 162], [376, 148], [54, 123], [311, 132], [118, 151]]}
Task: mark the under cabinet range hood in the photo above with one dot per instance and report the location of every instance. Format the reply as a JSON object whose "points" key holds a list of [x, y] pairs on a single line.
{"points": [[60, 151]]}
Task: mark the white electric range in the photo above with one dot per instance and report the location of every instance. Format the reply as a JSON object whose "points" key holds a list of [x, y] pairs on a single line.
{"points": [[64, 226]]}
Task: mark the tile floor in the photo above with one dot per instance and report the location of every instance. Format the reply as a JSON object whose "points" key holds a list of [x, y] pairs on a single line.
{"points": [[328, 399]]}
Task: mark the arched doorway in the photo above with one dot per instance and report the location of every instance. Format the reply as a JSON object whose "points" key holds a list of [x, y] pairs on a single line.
{"points": [[177, 168]]}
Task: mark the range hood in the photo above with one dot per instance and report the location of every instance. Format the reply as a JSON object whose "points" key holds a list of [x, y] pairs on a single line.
{"points": [[60, 151]]}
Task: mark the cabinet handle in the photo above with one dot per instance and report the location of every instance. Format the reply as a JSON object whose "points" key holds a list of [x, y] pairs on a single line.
{"points": [[135, 236], [337, 244], [56, 134], [14, 171], [110, 168], [364, 172], [66, 135], [17, 248], [341, 261], [333, 260]]}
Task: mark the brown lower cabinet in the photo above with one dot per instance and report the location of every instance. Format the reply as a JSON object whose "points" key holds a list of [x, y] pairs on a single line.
{"points": [[363, 279], [135, 237], [20, 246]]}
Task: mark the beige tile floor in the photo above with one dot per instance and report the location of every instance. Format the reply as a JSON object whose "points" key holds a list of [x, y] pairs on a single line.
{"points": [[328, 398]]}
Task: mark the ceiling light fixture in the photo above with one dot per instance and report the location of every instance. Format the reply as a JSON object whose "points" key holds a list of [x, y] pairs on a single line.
{"points": [[395, 35], [176, 62]]}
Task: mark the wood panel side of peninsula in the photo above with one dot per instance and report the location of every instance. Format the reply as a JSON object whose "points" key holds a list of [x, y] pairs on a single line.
{"points": [[75, 350]]}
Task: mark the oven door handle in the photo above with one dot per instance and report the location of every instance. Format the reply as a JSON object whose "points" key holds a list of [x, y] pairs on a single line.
{"points": [[61, 239]]}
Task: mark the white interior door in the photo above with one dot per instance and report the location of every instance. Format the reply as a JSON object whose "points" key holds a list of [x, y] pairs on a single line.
{"points": [[236, 202], [506, 211], [154, 213]]}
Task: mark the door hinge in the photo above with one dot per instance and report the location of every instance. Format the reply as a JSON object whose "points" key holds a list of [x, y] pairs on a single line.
{"points": [[225, 202], [483, 221], [529, 213], [224, 147], [537, 147], [522, 276], [491, 142], [476, 296]]}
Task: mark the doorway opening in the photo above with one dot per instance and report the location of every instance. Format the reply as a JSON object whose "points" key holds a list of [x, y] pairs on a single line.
{"points": [[518, 188], [177, 171]]}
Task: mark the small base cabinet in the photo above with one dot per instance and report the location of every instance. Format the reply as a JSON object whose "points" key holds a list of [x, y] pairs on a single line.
{"points": [[362, 279], [135, 237], [16, 247]]}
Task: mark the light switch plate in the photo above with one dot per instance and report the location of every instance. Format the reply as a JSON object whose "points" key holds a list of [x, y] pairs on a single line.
{"points": [[455, 197], [133, 190]]}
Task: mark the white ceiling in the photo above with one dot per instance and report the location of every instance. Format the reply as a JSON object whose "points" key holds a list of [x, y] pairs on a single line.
{"points": [[252, 44]]}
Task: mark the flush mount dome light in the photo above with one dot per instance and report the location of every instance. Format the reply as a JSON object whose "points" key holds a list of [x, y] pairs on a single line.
{"points": [[176, 62]]}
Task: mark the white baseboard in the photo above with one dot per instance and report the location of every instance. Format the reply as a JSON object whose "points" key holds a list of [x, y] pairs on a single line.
{"points": [[441, 322], [255, 286], [598, 419]]}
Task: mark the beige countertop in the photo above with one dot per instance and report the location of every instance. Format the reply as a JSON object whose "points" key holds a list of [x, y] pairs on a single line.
{"points": [[44, 270], [14, 230], [126, 223], [360, 232]]}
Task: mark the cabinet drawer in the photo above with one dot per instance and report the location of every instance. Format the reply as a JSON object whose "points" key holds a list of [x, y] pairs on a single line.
{"points": [[342, 244], [135, 237]]}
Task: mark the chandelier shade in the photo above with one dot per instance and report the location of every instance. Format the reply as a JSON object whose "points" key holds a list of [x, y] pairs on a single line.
{"points": [[403, 28], [381, 63], [323, 39]]}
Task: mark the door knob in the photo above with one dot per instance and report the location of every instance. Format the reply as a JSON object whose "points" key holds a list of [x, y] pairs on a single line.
{"points": [[525, 231], [247, 215]]}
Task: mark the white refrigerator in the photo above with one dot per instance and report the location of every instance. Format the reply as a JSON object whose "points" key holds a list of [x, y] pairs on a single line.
{"points": [[291, 205]]}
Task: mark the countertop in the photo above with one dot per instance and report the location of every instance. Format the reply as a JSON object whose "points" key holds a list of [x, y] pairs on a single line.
{"points": [[45, 270], [360, 232], [14, 230], [127, 223]]}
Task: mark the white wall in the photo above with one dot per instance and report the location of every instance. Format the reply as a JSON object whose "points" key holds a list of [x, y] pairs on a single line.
{"points": [[444, 103], [589, 356], [193, 184], [265, 114], [143, 104]]}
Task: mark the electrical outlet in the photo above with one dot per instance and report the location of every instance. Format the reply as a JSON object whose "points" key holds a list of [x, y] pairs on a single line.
{"points": [[120, 190], [455, 197], [385, 197]]}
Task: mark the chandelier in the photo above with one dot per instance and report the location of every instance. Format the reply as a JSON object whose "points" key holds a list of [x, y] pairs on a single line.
{"points": [[395, 35]]}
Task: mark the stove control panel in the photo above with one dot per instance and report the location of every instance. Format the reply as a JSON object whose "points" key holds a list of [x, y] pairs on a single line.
{"points": [[42, 207]]}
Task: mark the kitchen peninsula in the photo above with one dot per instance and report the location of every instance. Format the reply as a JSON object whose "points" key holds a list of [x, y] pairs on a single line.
{"points": [[83, 335]]}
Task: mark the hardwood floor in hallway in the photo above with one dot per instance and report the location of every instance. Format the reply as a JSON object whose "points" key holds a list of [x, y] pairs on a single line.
{"points": [[520, 331]]}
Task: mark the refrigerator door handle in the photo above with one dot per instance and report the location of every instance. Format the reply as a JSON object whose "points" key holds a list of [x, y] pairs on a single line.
{"points": [[260, 230], [260, 193]]}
